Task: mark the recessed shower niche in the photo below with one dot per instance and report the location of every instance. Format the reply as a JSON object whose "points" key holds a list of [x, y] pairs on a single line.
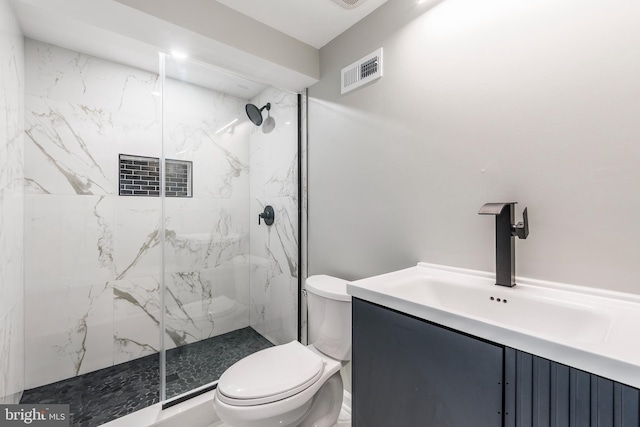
{"points": [[141, 176], [170, 290]]}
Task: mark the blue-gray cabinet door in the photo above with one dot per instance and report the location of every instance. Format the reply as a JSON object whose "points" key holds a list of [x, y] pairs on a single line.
{"points": [[411, 373], [542, 393]]}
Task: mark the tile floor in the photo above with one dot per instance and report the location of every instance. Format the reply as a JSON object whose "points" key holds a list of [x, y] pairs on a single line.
{"points": [[101, 396]]}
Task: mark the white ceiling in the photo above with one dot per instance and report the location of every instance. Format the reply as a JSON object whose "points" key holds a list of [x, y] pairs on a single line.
{"points": [[109, 30], [314, 22]]}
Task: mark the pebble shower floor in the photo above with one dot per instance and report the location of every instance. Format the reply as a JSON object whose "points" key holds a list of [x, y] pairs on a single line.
{"points": [[101, 396]]}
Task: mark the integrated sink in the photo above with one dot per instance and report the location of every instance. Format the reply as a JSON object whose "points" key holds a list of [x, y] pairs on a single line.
{"points": [[513, 308], [590, 329]]}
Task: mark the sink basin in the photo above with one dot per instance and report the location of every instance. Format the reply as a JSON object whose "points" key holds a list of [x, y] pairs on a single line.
{"points": [[512, 308], [590, 329]]}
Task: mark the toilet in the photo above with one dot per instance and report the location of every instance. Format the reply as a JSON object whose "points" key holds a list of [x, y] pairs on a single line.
{"points": [[293, 384]]}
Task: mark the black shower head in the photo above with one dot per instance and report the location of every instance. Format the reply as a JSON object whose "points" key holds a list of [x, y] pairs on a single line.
{"points": [[255, 113]]}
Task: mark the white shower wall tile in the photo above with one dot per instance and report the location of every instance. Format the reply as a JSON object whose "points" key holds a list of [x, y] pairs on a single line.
{"points": [[11, 249], [204, 233], [137, 249], [191, 102], [195, 120], [136, 135], [206, 303], [274, 156], [136, 314], [81, 112], [12, 355], [274, 272], [69, 148], [274, 303], [274, 249], [56, 73], [11, 206], [220, 162], [69, 240], [11, 129], [70, 332]]}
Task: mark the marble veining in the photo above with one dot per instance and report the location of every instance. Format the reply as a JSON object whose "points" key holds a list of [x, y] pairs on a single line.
{"points": [[100, 255], [274, 176], [136, 318], [12, 85], [68, 139]]}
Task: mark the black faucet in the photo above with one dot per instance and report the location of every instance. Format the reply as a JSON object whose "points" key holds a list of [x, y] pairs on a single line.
{"points": [[506, 230]]}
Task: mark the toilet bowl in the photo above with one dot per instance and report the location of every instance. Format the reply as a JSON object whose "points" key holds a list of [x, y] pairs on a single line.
{"points": [[293, 384]]}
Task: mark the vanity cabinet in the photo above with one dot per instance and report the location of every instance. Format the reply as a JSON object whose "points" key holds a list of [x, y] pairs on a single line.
{"points": [[409, 372], [542, 393]]}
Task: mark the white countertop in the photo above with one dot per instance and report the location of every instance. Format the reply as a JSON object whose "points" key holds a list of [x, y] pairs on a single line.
{"points": [[593, 330]]}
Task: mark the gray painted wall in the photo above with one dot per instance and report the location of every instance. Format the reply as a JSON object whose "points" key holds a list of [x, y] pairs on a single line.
{"points": [[534, 102]]}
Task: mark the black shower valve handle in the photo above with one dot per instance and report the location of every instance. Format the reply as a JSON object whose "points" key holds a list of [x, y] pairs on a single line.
{"points": [[268, 215]]}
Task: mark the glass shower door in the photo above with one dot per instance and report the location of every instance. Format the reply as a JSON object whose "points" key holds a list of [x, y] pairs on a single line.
{"points": [[230, 286]]}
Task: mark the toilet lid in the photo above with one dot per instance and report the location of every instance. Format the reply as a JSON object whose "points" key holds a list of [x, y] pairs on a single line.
{"points": [[269, 375]]}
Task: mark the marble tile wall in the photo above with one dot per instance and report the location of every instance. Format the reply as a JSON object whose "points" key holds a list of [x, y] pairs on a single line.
{"points": [[274, 249], [93, 260], [207, 235], [11, 206]]}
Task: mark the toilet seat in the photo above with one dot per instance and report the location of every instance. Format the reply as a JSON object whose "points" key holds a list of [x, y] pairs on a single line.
{"points": [[270, 375]]}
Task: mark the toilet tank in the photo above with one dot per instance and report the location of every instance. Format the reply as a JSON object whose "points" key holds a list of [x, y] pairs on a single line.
{"points": [[329, 316]]}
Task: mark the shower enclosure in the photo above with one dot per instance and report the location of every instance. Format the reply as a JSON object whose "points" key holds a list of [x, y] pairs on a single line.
{"points": [[230, 280], [147, 273]]}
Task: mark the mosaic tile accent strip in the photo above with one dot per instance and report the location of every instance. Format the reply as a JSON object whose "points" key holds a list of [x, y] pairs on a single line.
{"points": [[139, 176], [102, 396], [178, 178]]}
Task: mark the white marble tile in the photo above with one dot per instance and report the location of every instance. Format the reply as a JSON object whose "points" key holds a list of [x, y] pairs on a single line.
{"points": [[11, 100], [68, 240], [204, 233], [220, 162], [137, 244], [11, 141], [273, 311], [274, 272], [11, 206], [59, 74], [135, 135], [69, 148], [184, 312], [11, 248], [274, 156], [12, 354], [274, 250], [206, 303], [69, 331], [187, 102], [136, 317]]}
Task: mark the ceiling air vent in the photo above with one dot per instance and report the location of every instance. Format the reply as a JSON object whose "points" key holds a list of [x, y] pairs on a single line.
{"points": [[349, 4], [362, 71]]}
